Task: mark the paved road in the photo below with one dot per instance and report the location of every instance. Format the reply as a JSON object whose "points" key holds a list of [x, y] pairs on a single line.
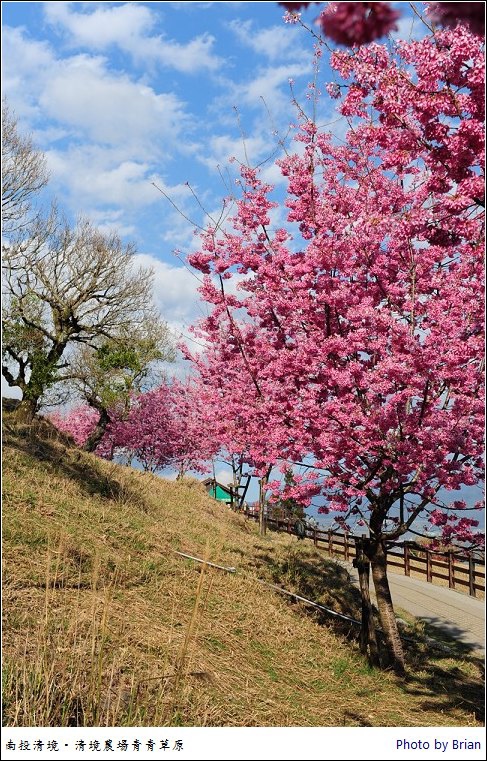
{"points": [[462, 616]]}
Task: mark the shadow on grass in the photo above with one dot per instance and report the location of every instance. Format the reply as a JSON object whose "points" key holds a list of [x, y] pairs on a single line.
{"points": [[355, 720], [442, 670], [43, 441], [446, 672], [315, 577]]}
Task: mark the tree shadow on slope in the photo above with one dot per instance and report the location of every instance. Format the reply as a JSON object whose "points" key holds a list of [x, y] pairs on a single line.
{"points": [[42, 441], [312, 576], [443, 674]]}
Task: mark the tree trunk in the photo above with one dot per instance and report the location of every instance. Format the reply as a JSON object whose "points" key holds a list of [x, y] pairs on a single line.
{"points": [[26, 410], [368, 636], [96, 435], [262, 517], [377, 555]]}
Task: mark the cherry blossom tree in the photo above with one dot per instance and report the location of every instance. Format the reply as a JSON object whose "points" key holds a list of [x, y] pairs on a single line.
{"points": [[197, 441], [167, 427], [79, 422], [355, 335], [148, 433]]}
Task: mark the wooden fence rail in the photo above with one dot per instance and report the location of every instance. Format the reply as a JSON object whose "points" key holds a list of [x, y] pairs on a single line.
{"points": [[458, 569]]}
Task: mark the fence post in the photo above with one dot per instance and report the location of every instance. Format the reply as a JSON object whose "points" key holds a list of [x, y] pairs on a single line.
{"points": [[346, 554], [429, 577], [451, 570], [315, 537], [330, 542], [407, 566], [471, 575]]}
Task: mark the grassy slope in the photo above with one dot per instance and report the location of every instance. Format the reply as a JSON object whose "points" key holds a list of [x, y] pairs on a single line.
{"points": [[104, 624]]}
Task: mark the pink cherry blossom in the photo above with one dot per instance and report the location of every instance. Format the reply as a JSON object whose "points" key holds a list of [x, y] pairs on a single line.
{"points": [[357, 23], [355, 338], [451, 14]]}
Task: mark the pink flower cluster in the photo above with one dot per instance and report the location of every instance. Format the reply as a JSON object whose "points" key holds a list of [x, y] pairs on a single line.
{"points": [[354, 338], [357, 23], [451, 14], [78, 423]]}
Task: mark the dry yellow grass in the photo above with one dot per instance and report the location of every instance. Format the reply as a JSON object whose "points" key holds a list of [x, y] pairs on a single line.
{"points": [[104, 624]]}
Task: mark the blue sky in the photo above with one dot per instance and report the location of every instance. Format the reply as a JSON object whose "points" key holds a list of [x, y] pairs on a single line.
{"points": [[121, 95]]}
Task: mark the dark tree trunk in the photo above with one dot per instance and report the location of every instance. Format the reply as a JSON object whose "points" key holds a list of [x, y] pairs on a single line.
{"points": [[368, 636], [376, 552], [97, 434], [262, 516], [26, 410]]}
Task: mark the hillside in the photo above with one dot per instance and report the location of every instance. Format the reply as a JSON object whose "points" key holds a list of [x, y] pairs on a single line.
{"points": [[104, 624]]}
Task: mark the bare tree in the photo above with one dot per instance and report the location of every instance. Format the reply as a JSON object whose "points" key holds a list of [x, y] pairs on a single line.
{"points": [[24, 174], [63, 286]]}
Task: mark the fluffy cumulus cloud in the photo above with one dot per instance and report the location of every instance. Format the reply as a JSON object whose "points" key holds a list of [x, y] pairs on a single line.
{"points": [[110, 93], [89, 100], [26, 68], [103, 26], [132, 28], [88, 175], [275, 42], [106, 134], [111, 109], [175, 293]]}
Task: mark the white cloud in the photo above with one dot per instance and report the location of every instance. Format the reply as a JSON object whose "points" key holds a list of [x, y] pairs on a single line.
{"points": [[111, 220], [111, 109], [107, 134], [268, 92], [89, 175], [408, 28], [175, 291], [276, 42], [221, 148], [88, 101], [128, 27], [26, 67], [268, 85], [103, 26], [224, 476], [272, 174]]}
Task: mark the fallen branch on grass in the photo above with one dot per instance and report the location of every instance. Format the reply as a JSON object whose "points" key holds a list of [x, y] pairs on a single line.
{"points": [[285, 592], [309, 602], [207, 562]]}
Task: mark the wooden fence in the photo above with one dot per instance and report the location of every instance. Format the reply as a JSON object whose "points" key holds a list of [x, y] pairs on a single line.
{"points": [[457, 569]]}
